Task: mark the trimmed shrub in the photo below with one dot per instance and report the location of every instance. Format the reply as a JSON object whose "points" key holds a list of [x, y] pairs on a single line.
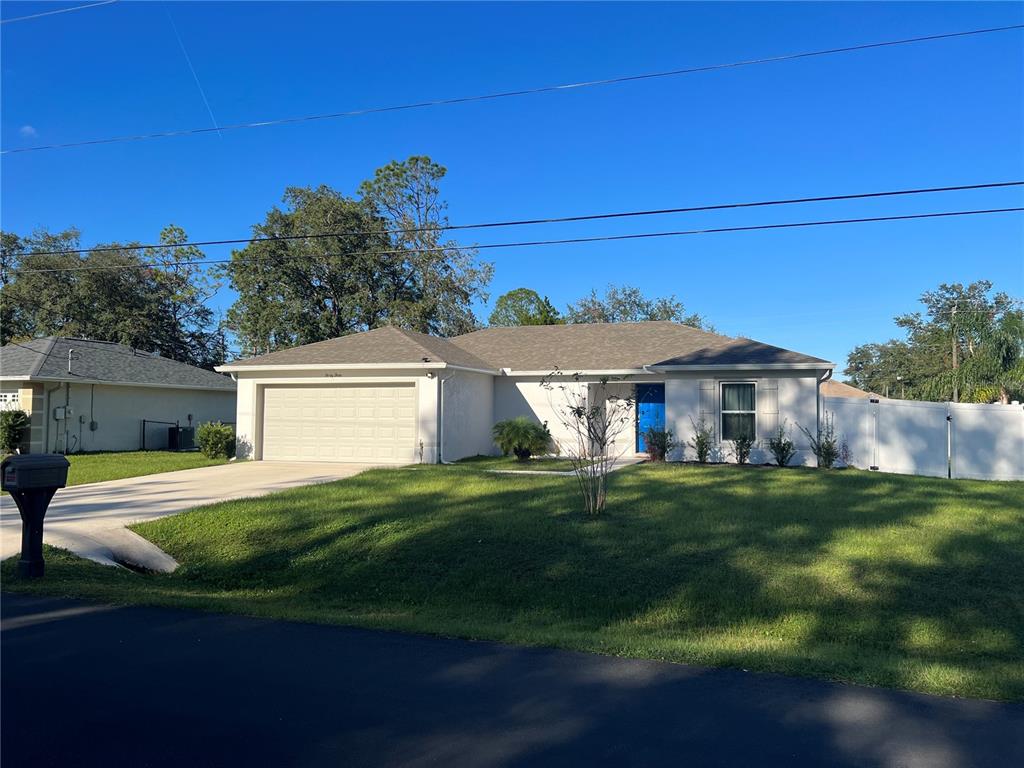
{"points": [[659, 443], [521, 437], [825, 443], [781, 446], [741, 448], [216, 440], [12, 427], [845, 455], [703, 440]]}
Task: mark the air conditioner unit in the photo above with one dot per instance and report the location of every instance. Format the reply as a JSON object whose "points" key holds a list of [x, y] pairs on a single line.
{"points": [[181, 438]]}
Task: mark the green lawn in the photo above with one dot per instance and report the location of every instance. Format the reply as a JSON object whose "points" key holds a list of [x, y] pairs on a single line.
{"points": [[97, 467], [535, 464], [907, 582]]}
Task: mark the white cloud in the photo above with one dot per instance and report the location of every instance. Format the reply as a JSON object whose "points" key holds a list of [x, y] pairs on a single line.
{"points": [[27, 131]]}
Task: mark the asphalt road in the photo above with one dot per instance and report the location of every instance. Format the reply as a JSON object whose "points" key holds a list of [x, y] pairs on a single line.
{"points": [[85, 684]]}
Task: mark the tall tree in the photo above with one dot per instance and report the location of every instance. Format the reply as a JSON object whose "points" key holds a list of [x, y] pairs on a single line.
{"points": [[888, 368], [967, 344], [36, 304], [524, 306], [300, 290], [120, 294], [385, 262], [445, 279], [627, 304]]}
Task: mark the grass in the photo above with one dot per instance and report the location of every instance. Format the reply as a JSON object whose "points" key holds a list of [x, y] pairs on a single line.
{"points": [[534, 464], [906, 582], [99, 467]]}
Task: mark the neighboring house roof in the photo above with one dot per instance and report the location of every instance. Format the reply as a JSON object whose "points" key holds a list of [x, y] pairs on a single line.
{"points": [[833, 388], [102, 361], [569, 348], [381, 346]]}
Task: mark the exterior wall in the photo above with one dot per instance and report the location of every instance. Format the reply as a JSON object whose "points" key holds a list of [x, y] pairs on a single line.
{"points": [[622, 414], [249, 417], [783, 398], [682, 402], [468, 415], [526, 396], [475, 402], [246, 425], [117, 412], [32, 401]]}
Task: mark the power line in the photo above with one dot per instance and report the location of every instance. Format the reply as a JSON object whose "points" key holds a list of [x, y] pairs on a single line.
{"points": [[516, 93], [54, 13], [530, 222], [566, 241]]}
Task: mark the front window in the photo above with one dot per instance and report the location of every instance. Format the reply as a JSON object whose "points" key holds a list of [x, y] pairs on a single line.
{"points": [[739, 411]]}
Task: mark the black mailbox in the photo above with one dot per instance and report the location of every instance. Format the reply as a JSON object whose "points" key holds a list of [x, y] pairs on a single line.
{"points": [[32, 481]]}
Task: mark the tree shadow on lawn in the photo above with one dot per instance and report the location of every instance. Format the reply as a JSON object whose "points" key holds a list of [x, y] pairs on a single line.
{"points": [[905, 582]]}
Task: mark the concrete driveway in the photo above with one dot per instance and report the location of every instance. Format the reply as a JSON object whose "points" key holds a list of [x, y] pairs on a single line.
{"points": [[90, 519]]}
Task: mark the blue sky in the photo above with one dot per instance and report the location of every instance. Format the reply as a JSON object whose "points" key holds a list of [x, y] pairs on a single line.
{"points": [[932, 114]]}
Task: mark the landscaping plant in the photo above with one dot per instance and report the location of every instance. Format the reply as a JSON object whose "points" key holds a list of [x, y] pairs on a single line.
{"points": [[521, 437], [595, 416], [703, 440], [845, 455], [781, 446], [825, 443], [216, 440], [741, 448], [659, 443], [12, 426]]}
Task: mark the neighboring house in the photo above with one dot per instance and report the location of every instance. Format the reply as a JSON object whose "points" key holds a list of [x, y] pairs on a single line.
{"points": [[87, 395], [833, 388], [394, 396]]}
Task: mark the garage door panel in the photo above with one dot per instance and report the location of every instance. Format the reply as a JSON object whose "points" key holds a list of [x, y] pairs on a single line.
{"points": [[340, 423]]}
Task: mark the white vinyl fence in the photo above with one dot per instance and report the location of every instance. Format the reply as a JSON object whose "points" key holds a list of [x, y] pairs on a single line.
{"points": [[960, 440]]}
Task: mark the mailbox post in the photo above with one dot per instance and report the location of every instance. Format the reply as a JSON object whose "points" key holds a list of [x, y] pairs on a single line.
{"points": [[32, 480]]}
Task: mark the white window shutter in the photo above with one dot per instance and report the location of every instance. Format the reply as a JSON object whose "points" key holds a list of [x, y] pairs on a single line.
{"points": [[767, 408], [708, 409]]}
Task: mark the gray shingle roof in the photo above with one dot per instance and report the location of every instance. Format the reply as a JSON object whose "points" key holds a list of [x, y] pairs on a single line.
{"points": [[741, 352], [102, 361], [580, 347], [616, 346], [381, 346]]}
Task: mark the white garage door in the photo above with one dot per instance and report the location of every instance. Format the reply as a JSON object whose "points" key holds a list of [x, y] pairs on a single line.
{"points": [[340, 423]]}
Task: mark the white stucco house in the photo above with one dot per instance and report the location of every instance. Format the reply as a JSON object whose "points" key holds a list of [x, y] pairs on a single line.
{"points": [[394, 396], [85, 395]]}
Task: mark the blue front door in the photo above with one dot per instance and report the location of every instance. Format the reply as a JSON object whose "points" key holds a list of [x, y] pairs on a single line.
{"points": [[650, 411]]}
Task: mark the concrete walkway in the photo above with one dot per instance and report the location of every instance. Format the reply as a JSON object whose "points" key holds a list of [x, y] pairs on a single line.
{"points": [[90, 520], [618, 464], [86, 684]]}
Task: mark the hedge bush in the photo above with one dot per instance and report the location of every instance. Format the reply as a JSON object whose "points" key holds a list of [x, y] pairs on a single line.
{"points": [[216, 440], [13, 424]]}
